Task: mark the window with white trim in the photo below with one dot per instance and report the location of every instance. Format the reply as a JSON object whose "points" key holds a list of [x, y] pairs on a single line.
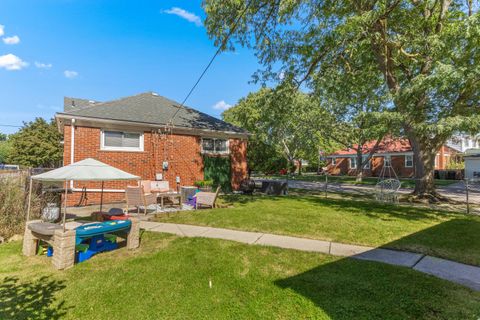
{"points": [[121, 141], [408, 161], [387, 161], [367, 164], [334, 161], [353, 163], [215, 146]]}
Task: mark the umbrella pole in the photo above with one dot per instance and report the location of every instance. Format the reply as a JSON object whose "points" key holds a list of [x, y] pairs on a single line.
{"points": [[101, 199], [29, 199], [65, 204]]}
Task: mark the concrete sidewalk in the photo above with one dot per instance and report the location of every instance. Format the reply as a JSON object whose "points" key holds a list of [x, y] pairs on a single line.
{"points": [[449, 270]]}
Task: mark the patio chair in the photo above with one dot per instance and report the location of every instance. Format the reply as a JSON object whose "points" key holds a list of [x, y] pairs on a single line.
{"points": [[137, 197], [207, 199], [387, 190]]}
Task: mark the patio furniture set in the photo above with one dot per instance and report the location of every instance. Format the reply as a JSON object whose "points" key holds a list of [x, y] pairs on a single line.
{"points": [[151, 192]]}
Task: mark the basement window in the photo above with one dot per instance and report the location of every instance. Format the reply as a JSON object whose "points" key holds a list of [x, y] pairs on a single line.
{"points": [[121, 141], [215, 146]]}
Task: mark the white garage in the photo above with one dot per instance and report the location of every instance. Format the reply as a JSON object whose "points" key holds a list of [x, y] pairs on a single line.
{"points": [[472, 164]]}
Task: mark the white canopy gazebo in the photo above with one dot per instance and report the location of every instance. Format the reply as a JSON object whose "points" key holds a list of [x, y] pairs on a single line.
{"points": [[84, 170]]}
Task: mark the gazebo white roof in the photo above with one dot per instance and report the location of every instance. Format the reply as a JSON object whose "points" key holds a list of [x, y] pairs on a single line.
{"points": [[86, 170]]}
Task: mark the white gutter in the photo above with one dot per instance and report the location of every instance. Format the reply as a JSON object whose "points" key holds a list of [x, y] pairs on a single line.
{"points": [[72, 146]]}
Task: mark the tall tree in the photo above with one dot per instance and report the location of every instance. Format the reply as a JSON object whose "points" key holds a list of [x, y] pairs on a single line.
{"points": [[36, 144], [276, 118], [4, 147], [422, 54]]}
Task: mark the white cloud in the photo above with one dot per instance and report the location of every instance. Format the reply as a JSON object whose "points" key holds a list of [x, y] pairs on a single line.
{"points": [[2, 30], [184, 14], [42, 65], [70, 74], [12, 62], [222, 105], [11, 40]]}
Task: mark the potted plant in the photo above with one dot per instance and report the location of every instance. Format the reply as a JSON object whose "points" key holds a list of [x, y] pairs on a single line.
{"points": [[204, 185]]}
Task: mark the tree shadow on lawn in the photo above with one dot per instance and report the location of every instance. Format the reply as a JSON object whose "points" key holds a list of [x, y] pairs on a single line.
{"points": [[352, 289], [456, 239], [357, 289], [31, 300], [368, 208]]}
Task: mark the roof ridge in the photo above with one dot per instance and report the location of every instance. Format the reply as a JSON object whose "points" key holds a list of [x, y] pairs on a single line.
{"points": [[100, 103]]}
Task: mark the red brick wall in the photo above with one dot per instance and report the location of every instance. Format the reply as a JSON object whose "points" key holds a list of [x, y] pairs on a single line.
{"points": [[182, 152], [238, 152], [376, 165]]}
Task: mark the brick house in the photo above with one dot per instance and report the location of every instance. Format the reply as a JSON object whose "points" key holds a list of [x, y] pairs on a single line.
{"points": [[397, 152], [149, 136]]}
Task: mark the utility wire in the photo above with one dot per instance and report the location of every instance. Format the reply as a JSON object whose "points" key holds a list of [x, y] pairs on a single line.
{"points": [[9, 125], [219, 50]]}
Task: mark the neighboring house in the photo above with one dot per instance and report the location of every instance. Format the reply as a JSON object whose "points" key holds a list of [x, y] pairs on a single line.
{"points": [[462, 142], [472, 164], [152, 137], [394, 152]]}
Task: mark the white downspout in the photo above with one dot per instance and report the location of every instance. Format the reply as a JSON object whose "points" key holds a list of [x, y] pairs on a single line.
{"points": [[72, 146]]}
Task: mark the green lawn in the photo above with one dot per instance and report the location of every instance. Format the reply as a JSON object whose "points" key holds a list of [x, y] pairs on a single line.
{"points": [[168, 278], [406, 183], [448, 235]]}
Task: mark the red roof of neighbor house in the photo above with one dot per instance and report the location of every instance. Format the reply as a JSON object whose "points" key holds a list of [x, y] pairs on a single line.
{"points": [[388, 145]]}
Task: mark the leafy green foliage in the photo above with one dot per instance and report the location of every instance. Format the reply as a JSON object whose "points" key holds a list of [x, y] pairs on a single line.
{"points": [[203, 183], [419, 59], [5, 149], [37, 144], [279, 122], [217, 170]]}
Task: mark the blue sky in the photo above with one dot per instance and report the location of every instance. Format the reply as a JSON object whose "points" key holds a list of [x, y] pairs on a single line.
{"points": [[106, 49]]}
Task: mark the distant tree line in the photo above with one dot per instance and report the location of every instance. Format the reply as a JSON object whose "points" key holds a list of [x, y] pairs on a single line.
{"points": [[36, 144]]}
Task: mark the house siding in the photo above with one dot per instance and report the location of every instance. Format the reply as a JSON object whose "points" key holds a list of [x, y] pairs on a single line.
{"points": [[183, 153]]}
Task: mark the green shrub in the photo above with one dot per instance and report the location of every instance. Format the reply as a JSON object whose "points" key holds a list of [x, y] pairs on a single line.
{"points": [[203, 183], [13, 206]]}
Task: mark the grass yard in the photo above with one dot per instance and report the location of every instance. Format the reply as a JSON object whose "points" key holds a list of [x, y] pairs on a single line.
{"points": [[168, 278], [369, 181], [437, 233]]}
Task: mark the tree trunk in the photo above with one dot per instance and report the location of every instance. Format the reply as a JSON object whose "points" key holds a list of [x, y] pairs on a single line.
{"points": [[359, 169], [424, 165]]}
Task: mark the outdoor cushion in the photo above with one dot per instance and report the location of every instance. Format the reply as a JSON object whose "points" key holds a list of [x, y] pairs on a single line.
{"points": [[115, 212], [45, 228]]}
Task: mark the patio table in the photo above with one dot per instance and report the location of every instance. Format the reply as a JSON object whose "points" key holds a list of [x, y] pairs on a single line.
{"points": [[163, 195]]}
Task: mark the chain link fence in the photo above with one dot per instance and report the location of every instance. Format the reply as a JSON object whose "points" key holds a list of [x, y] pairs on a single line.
{"points": [[464, 194]]}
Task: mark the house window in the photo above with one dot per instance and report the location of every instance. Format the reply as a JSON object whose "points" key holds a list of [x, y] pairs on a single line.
{"points": [[334, 161], [353, 163], [387, 161], [367, 165], [210, 145], [121, 141], [408, 161]]}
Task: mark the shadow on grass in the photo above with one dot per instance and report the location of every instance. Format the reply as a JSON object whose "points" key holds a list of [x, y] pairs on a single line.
{"points": [[31, 300], [456, 239], [352, 289]]}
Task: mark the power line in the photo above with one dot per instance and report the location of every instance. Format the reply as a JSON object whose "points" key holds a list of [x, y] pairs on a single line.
{"points": [[219, 50], [9, 125]]}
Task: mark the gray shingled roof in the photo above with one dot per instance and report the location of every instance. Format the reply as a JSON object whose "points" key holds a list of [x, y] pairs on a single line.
{"points": [[147, 108]]}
